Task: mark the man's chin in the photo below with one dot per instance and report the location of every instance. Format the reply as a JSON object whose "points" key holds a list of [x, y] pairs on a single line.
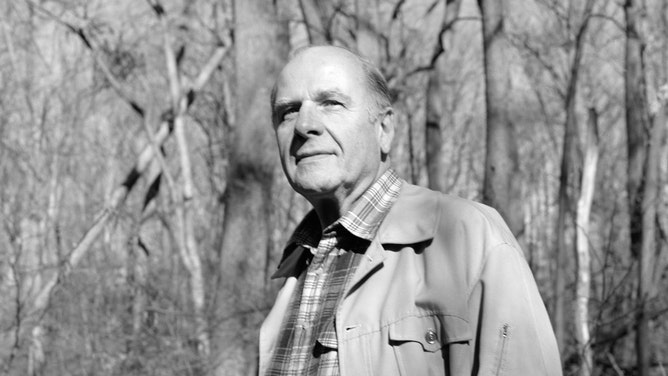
{"points": [[314, 180], [314, 188]]}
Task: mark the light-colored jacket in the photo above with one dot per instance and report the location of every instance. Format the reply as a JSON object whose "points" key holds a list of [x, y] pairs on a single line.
{"points": [[443, 289]]}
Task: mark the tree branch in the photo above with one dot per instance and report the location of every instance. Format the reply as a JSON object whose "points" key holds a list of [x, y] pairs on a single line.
{"points": [[440, 49], [619, 25], [624, 330], [79, 31]]}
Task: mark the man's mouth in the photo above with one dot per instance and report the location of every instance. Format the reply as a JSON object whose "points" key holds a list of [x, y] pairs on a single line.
{"points": [[310, 156]]}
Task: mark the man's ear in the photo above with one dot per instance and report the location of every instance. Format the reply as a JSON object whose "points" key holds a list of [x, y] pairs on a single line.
{"points": [[386, 130]]}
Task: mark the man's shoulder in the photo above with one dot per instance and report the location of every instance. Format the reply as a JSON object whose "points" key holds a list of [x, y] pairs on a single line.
{"points": [[422, 198], [423, 213]]}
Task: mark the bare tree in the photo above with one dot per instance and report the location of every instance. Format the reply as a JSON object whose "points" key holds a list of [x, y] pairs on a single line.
{"points": [[568, 182], [368, 39], [318, 16], [637, 125], [583, 287], [261, 43], [434, 99], [501, 185], [185, 96]]}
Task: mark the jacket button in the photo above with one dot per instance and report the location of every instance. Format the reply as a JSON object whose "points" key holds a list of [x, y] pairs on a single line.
{"points": [[430, 336]]}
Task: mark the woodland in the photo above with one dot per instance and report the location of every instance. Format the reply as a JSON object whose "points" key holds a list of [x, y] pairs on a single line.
{"points": [[143, 209]]}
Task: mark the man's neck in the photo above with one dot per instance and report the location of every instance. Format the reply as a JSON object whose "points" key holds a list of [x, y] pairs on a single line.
{"points": [[333, 206], [330, 209]]}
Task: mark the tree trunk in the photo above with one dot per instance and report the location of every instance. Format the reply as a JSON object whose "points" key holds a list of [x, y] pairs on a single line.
{"points": [[501, 186], [435, 101], [568, 183], [647, 258], [637, 124], [568, 163], [368, 40], [660, 141], [137, 279], [184, 205], [434, 137], [261, 43], [318, 18], [583, 287]]}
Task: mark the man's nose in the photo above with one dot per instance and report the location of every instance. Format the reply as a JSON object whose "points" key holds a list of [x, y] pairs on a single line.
{"points": [[308, 123]]}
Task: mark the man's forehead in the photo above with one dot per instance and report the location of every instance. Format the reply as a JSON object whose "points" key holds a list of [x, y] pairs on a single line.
{"points": [[326, 54], [320, 69]]}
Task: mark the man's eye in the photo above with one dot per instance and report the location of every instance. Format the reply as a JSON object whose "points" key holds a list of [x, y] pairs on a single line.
{"points": [[289, 113], [331, 103]]}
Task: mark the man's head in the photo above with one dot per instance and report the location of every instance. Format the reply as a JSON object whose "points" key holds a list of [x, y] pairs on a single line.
{"points": [[334, 123]]}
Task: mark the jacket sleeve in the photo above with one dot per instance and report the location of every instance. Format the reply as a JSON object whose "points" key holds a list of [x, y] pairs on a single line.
{"points": [[513, 334]]}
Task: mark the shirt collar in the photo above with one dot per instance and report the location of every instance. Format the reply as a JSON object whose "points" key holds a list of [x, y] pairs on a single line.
{"points": [[413, 218], [367, 213], [362, 220]]}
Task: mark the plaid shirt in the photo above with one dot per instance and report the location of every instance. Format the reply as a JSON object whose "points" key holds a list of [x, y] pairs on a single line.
{"points": [[307, 343]]}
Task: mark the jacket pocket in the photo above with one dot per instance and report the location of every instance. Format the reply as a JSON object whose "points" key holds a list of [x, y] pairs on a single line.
{"points": [[419, 342], [430, 331]]}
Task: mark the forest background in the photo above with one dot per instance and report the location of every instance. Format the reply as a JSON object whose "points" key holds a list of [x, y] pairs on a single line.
{"points": [[143, 208]]}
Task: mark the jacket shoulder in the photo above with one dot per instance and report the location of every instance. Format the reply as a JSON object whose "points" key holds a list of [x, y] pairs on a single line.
{"points": [[474, 216], [420, 214]]}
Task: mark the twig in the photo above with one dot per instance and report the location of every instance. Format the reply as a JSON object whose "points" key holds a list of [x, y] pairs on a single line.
{"points": [[614, 364]]}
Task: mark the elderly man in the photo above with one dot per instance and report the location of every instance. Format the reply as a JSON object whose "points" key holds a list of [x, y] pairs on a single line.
{"points": [[384, 277]]}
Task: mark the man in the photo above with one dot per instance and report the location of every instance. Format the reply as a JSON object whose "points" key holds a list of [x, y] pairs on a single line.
{"points": [[384, 277]]}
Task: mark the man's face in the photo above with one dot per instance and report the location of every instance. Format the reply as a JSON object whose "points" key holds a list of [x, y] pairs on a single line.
{"points": [[327, 128]]}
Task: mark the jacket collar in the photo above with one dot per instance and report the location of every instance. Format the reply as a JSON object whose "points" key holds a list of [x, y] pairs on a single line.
{"points": [[412, 219]]}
